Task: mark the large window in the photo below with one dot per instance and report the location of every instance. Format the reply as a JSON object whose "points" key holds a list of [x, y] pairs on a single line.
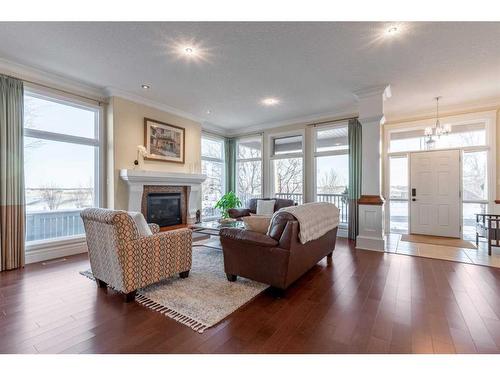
{"points": [[398, 194], [212, 164], [249, 168], [462, 135], [332, 167], [474, 189], [61, 163], [287, 167]]}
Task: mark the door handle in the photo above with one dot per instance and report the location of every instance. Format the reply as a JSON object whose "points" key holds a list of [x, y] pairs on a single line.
{"points": [[413, 199]]}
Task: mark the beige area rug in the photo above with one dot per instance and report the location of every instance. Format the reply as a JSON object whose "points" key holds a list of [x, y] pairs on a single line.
{"points": [[435, 240], [203, 299]]}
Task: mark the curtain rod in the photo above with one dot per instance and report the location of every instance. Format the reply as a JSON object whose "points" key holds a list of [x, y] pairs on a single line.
{"points": [[55, 89], [332, 121]]}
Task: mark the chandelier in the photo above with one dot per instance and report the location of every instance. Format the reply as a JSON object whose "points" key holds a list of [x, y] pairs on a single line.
{"points": [[431, 133]]}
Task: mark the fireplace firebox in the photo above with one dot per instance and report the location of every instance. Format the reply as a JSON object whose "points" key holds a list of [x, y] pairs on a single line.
{"points": [[164, 209]]}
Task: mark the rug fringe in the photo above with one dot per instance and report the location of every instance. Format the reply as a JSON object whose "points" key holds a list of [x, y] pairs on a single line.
{"points": [[178, 317]]}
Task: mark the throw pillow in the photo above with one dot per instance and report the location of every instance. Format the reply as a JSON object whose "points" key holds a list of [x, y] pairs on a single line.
{"points": [[257, 223], [265, 207], [141, 224]]}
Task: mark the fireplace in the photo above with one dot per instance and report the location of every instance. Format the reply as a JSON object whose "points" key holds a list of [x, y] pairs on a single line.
{"points": [[164, 209], [165, 205]]}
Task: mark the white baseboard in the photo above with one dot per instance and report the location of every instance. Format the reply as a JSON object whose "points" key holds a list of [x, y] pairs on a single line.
{"points": [[57, 249], [370, 243]]}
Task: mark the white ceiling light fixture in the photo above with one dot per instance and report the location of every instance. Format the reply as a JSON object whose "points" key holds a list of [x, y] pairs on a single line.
{"points": [[437, 131], [270, 101], [145, 86]]}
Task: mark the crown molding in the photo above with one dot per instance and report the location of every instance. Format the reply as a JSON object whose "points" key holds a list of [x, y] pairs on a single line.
{"points": [[113, 91], [50, 79], [366, 92], [348, 111]]}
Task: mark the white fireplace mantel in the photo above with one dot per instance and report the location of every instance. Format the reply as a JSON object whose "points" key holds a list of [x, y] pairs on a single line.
{"points": [[136, 179]]}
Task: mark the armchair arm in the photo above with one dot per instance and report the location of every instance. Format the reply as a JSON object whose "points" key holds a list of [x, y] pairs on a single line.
{"points": [[155, 228], [248, 236], [236, 213]]}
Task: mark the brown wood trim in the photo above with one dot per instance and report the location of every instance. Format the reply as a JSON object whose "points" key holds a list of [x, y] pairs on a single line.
{"points": [[373, 200]]}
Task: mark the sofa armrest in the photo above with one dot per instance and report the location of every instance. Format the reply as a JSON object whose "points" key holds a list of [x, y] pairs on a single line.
{"points": [[248, 236], [236, 213], [155, 228]]}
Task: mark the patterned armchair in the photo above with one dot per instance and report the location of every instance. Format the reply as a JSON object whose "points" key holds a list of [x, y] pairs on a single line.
{"points": [[125, 260]]}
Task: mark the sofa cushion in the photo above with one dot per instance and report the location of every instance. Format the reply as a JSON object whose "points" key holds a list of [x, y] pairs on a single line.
{"points": [[257, 223], [247, 236], [141, 224], [265, 207], [278, 224]]}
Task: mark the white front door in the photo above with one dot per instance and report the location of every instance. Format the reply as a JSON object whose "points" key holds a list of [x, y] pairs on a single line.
{"points": [[435, 193]]}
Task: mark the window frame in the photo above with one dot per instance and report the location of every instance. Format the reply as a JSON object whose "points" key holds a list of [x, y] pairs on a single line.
{"points": [[242, 160], [222, 161], [317, 154], [292, 155], [97, 142]]}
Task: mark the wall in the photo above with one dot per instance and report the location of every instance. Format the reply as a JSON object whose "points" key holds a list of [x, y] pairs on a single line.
{"points": [[125, 130]]}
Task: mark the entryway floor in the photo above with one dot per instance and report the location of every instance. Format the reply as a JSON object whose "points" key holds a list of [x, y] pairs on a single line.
{"points": [[472, 256]]}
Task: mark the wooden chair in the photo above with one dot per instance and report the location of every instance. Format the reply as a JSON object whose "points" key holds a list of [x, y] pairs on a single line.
{"points": [[488, 226]]}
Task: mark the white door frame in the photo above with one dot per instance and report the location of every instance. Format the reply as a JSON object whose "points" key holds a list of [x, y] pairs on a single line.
{"points": [[487, 117]]}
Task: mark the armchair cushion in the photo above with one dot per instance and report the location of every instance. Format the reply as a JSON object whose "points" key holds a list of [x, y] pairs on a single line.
{"points": [[141, 224]]}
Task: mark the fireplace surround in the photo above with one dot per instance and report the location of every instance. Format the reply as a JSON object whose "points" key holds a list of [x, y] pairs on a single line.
{"points": [[141, 182]]}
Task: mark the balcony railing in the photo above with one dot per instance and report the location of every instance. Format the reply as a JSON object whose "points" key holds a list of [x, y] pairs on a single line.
{"points": [[339, 200], [52, 224]]}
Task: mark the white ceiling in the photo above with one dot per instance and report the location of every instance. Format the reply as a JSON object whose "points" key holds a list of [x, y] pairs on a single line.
{"points": [[313, 68]]}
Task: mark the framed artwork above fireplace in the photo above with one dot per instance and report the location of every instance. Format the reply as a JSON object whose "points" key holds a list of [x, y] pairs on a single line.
{"points": [[163, 141]]}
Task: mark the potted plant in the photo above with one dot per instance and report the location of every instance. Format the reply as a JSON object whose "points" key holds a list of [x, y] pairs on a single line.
{"points": [[228, 200]]}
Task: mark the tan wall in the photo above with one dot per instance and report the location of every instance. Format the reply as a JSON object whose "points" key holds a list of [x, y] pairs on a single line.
{"points": [[126, 131]]}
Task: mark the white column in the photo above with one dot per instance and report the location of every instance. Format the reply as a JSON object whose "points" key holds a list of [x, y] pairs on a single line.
{"points": [[371, 205]]}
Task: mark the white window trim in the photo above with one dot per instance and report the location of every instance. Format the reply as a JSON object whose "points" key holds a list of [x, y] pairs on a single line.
{"points": [[317, 154], [99, 170], [216, 160], [272, 157], [261, 159], [487, 117]]}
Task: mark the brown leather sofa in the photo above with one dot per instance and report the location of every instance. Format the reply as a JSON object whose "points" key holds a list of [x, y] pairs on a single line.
{"points": [[238, 213], [276, 258]]}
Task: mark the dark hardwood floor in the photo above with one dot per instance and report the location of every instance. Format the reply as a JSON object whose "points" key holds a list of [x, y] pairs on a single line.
{"points": [[363, 302]]}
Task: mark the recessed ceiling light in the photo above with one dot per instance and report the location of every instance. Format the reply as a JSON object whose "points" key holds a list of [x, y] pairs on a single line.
{"points": [[189, 49], [270, 101], [209, 112], [392, 30], [145, 87]]}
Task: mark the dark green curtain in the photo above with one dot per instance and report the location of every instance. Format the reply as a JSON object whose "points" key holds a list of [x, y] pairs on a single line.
{"points": [[354, 190], [230, 152], [12, 206]]}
